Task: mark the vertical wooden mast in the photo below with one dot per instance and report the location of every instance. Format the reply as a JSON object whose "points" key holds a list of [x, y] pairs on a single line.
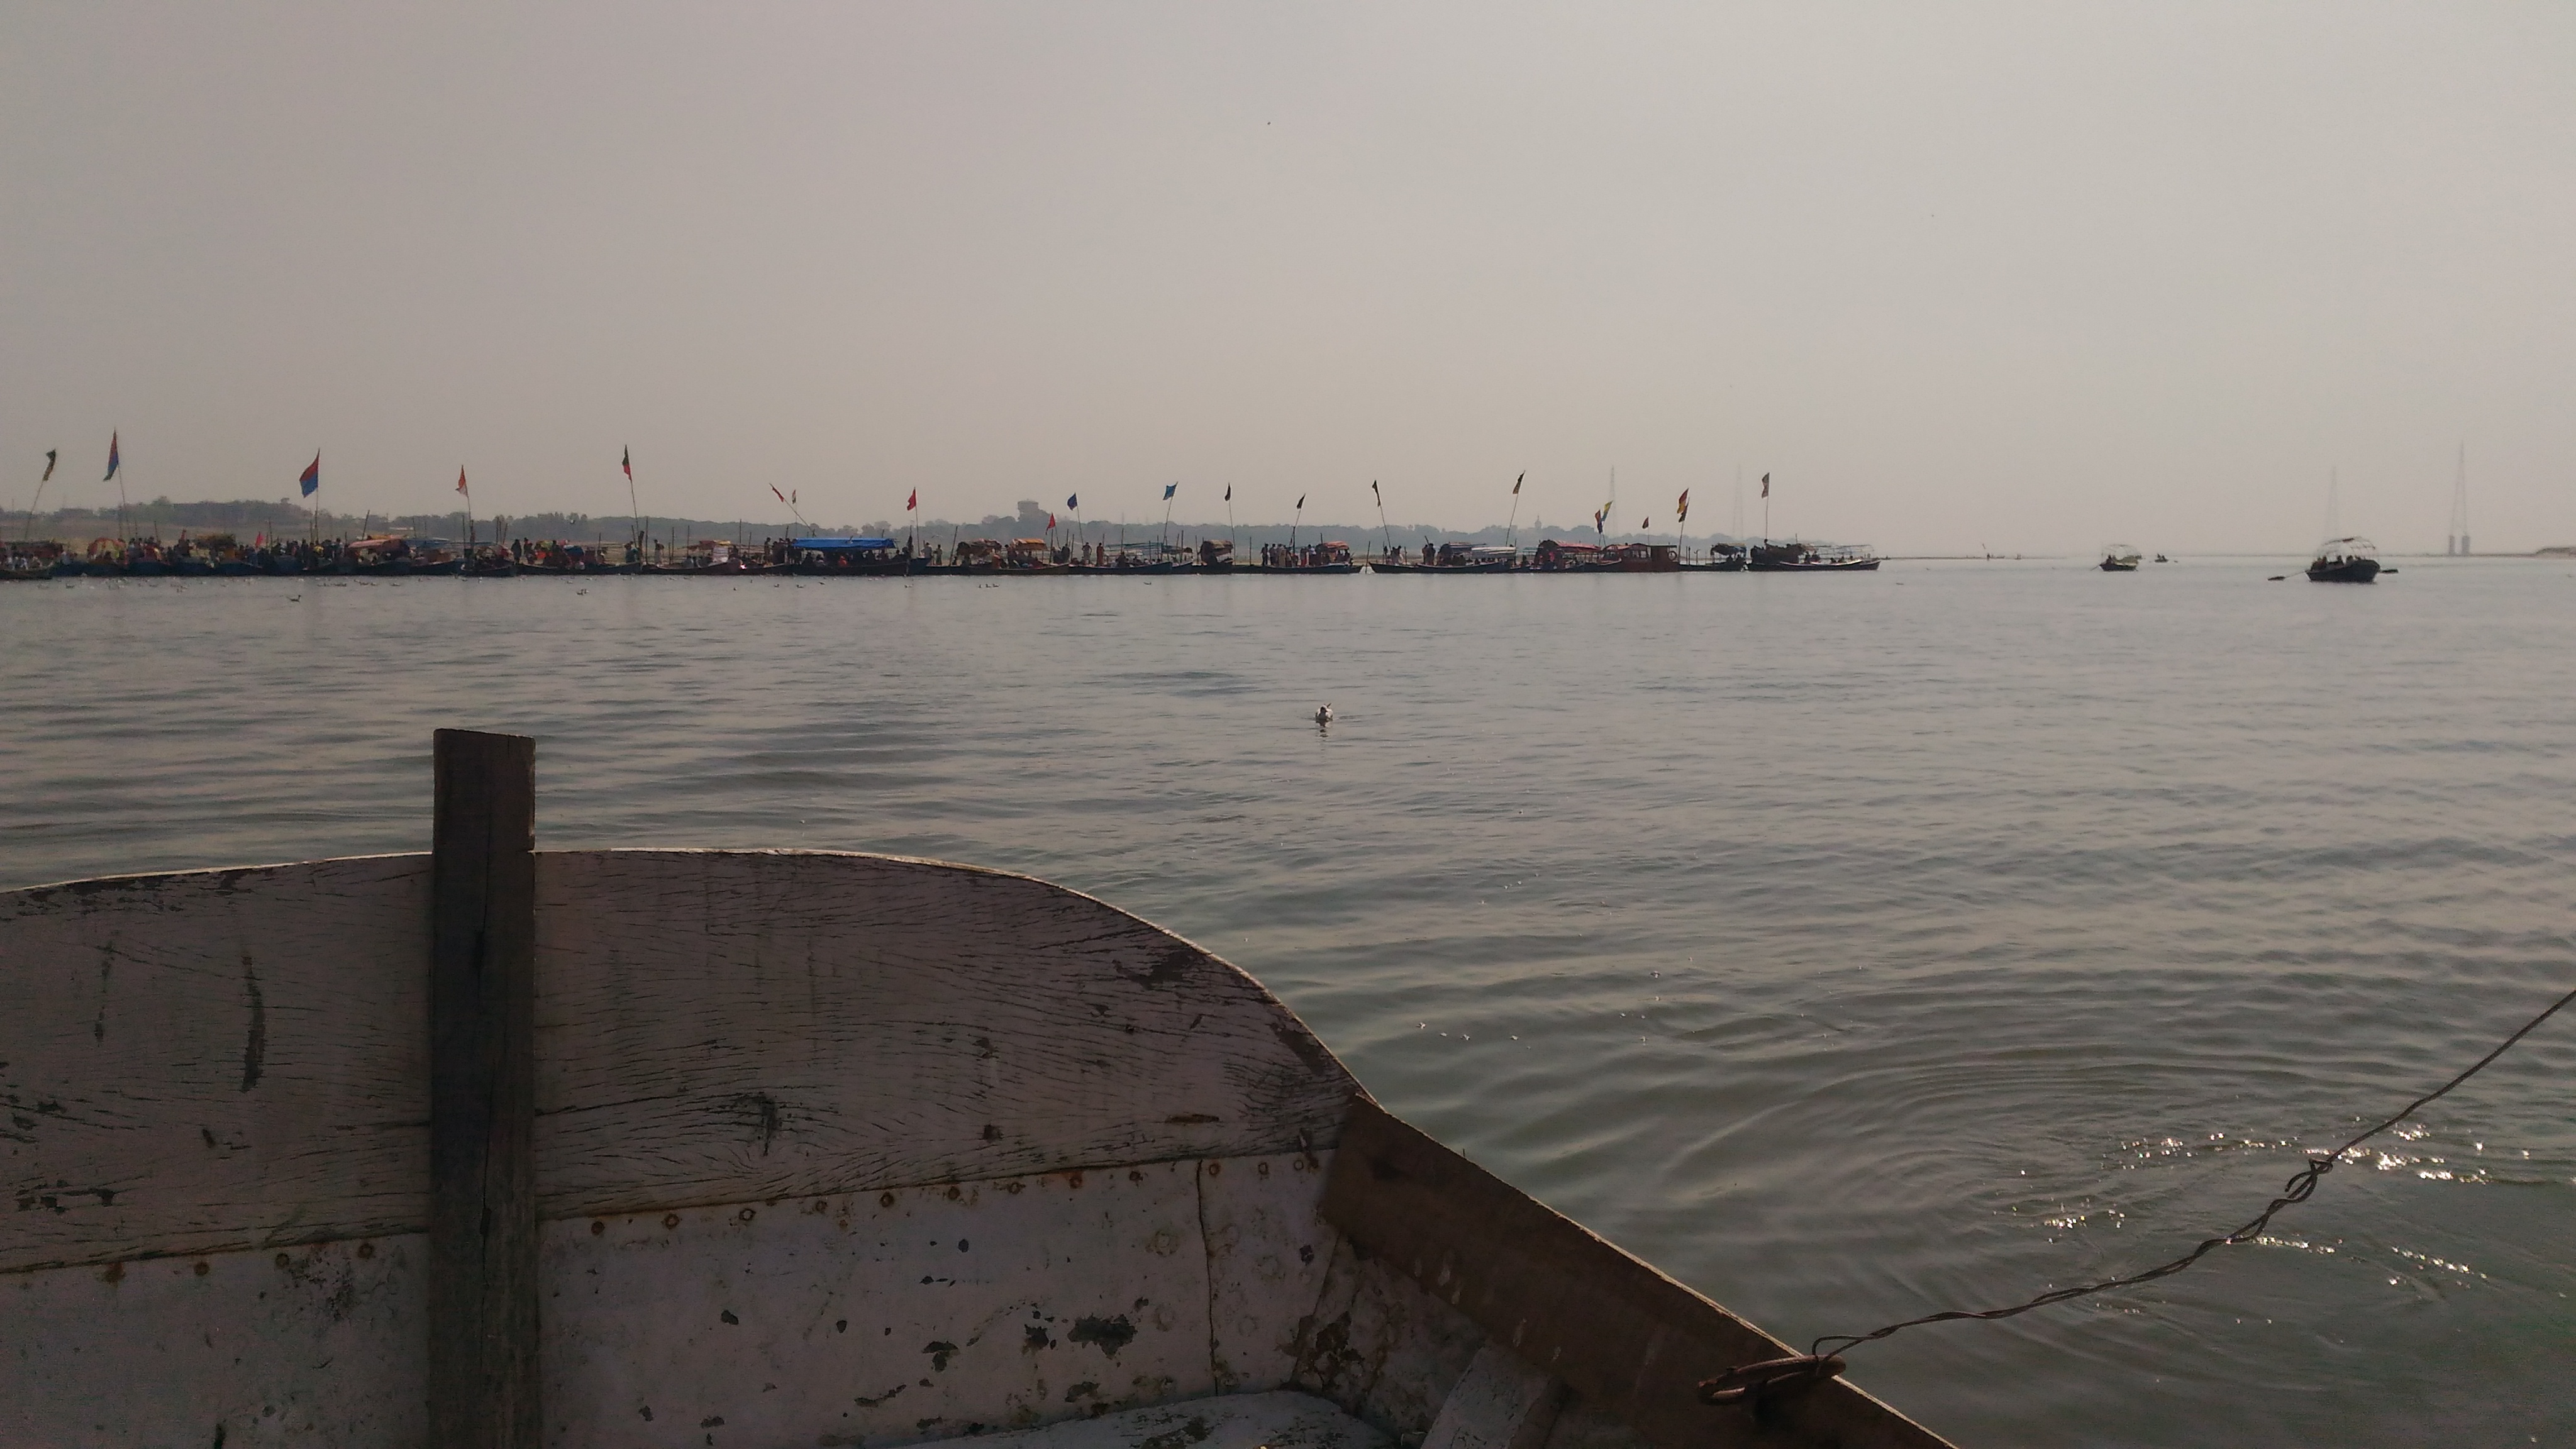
{"points": [[482, 1011]]}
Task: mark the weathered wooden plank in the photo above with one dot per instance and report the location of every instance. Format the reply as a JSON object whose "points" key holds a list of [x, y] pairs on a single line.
{"points": [[1381, 1347], [810, 1321], [722, 1026], [889, 1317], [237, 1059], [1268, 1252], [315, 1345], [1631, 1341], [483, 1377], [1243, 1421], [214, 1060], [1502, 1402]]}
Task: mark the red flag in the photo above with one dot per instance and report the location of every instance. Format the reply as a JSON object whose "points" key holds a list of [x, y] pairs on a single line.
{"points": [[1681, 510], [1050, 523], [912, 502], [460, 484], [774, 489], [627, 462]]}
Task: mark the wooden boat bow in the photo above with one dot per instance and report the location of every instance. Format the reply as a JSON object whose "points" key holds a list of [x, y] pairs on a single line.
{"points": [[825, 1148]]}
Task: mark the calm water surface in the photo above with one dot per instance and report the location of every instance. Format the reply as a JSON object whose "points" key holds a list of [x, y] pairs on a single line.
{"points": [[1850, 947]]}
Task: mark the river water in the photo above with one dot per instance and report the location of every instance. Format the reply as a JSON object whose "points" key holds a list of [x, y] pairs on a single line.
{"points": [[1851, 947]]}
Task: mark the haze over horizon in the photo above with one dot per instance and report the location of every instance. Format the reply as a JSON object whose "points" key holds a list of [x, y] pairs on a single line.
{"points": [[1996, 276]]}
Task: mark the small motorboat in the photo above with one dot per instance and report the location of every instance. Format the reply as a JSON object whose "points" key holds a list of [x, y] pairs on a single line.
{"points": [[2119, 558], [2344, 561], [494, 1146]]}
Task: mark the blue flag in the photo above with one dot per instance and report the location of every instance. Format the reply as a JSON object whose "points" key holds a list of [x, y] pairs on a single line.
{"points": [[1073, 503], [312, 479], [111, 459], [1169, 489]]}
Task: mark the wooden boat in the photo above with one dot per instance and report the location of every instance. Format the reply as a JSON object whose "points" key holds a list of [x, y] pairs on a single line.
{"points": [[1555, 556], [1800, 558], [2345, 561], [848, 558], [1456, 558], [494, 1146], [2119, 558]]}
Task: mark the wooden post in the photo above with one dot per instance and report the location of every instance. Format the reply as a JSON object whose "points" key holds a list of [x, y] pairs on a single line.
{"points": [[482, 1109]]}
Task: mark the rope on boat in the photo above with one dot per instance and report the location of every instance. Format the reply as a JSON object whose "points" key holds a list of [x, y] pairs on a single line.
{"points": [[1757, 1381]]}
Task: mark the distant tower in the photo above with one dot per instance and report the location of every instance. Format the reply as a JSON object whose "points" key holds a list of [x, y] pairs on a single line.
{"points": [[2459, 538]]}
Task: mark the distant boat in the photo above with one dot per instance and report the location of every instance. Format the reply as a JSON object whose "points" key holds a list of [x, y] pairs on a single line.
{"points": [[2119, 558], [2344, 561], [2160, 558], [1800, 558]]}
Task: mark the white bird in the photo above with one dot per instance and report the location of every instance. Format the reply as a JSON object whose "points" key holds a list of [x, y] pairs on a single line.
{"points": [[1323, 716]]}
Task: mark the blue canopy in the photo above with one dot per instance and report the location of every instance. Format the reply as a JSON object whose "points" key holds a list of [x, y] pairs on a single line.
{"points": [[828, 545]]}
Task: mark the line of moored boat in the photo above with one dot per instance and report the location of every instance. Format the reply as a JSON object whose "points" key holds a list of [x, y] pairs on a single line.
{"points": [[220, 555]]}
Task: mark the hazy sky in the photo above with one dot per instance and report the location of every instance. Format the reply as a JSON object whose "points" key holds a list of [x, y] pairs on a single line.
{"points": [[2028, 276]]}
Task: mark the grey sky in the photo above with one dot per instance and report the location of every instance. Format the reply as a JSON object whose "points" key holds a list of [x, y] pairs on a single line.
{"points": [[2029, 276]]}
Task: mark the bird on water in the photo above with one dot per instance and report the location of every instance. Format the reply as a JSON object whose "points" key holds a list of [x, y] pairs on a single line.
{"points": [[1324, 717]]}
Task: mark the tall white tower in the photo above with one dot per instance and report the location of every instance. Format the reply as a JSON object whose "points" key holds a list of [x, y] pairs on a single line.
{"points": [[2458, 543]]}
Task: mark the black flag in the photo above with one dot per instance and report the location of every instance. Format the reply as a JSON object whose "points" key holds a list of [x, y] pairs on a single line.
{"points": [[49, 467], [1766, 485]]}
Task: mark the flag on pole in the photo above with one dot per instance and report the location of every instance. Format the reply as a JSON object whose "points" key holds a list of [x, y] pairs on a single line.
{"points": [[1050, 523], [1516, 485], [1169, 489], [49, 467], [1301, 500], [1229, 493], [626, 461], [1373, 487], [781, 496], [460, 483], [1073, 503], [913, 502], [1681, 510], [1766, 485], [111, 457], [312, 476]]}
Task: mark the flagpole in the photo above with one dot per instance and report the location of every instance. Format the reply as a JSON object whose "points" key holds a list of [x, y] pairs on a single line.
{"points": [[40, 493], [634, 510], [116, 469], [1510, 529]]}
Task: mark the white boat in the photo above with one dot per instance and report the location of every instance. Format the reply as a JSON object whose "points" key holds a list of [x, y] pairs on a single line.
{"points": [[493, 1146], [2345, 561]]}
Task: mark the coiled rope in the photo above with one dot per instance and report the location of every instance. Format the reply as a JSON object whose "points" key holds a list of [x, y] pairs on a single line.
{"points": [[1753, 1382]]}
